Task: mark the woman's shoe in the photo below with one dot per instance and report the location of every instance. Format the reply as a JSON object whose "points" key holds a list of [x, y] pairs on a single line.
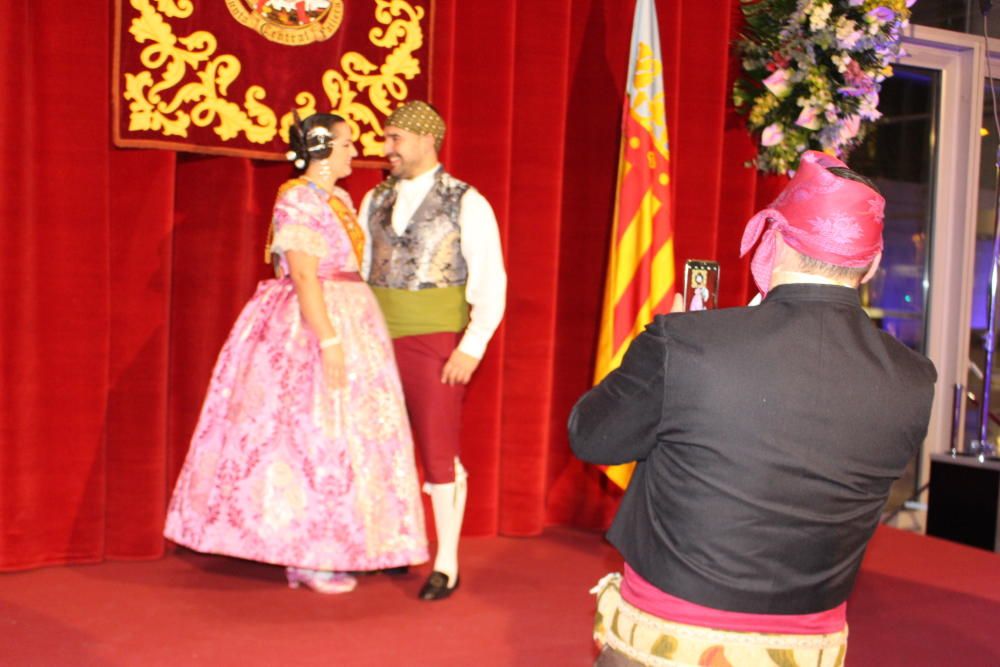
{"points": [[329, 583]]}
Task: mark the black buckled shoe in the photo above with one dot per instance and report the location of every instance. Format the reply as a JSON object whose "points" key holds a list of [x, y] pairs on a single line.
{"points": [[436, 587]]}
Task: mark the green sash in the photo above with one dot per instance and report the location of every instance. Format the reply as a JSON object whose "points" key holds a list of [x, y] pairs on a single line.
{"points": [[416, 312]]}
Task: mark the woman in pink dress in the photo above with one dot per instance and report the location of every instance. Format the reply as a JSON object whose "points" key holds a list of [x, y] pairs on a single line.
{"points": [[302, 455]]}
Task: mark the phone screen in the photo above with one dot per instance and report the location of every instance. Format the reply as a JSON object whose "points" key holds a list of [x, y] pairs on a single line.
{"points": [[701, 285]]}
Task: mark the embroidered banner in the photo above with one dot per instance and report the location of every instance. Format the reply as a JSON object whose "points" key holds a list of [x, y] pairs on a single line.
{"points": [[222, 76]]}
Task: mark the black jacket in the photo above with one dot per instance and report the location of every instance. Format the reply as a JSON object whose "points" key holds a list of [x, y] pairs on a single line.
{"points": [[766, 438]]}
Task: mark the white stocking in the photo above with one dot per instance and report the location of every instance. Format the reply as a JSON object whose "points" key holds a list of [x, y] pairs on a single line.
{"points": [[448, 502]]}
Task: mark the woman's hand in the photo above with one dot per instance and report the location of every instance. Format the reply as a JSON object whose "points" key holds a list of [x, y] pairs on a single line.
{"points": [[333, 366]]}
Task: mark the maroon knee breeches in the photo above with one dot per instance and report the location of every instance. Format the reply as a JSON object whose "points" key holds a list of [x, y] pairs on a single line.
{"points": [[435, 408]]}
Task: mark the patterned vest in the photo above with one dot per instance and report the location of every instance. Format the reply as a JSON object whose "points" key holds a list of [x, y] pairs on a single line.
{"points": [[429, 252], [419, 276]]}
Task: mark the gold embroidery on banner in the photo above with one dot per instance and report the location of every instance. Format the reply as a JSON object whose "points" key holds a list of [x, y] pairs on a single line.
{"points": [[203, 102], [361, 91], [385, 83], [289, 22], [176, 9]]}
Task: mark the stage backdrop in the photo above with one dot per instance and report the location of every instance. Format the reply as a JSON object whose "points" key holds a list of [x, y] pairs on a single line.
{"points": [[124, 269]]}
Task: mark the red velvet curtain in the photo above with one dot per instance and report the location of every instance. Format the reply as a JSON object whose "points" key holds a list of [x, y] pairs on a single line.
{"points": [[125, 269]]}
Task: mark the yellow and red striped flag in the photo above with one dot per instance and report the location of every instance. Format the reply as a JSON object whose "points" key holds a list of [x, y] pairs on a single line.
{"points": [[640, 280]]}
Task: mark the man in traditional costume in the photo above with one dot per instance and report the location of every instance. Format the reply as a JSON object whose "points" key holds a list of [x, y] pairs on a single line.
{"points": [[767, 439], [435, 264]]}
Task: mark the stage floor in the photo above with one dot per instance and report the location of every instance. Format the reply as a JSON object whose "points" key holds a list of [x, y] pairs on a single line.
{"points": [[919, 601]]}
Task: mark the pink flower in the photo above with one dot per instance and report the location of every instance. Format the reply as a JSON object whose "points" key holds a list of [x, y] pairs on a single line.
{"points": [[848, 34], [808, 119], [772, 135], [858, 83], [882, 14], [778, 83], [850, 128], [778, 61]]}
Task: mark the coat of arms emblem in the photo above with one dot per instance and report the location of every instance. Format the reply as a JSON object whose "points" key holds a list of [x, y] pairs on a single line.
{"points": [[290, 22]]}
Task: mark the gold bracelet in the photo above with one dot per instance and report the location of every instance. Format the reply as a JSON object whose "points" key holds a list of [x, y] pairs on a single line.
{"points": [[330, 341]]}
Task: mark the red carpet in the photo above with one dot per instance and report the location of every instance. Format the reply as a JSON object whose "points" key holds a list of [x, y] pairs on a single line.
{"points": [[919, 601]]}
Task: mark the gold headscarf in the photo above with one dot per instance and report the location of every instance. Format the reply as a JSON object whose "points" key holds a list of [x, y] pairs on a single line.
{"points": [[420, 118]]}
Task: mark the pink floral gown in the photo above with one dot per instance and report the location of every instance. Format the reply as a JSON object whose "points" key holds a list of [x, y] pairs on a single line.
{"points": [[283, 469]]}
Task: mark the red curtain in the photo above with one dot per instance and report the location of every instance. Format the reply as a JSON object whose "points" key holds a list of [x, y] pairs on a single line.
{"points": [[125, 269]]}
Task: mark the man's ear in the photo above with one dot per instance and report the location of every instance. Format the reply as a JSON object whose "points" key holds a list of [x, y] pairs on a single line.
{"points": [[782, 252], [872, 269], [428, 140]]}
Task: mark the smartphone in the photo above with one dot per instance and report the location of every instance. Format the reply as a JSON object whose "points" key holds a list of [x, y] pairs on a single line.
{"points": [[701, 285]]}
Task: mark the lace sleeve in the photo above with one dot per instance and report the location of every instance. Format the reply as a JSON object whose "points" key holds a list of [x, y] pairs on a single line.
{"points": [[297, 224], [301, 238]]}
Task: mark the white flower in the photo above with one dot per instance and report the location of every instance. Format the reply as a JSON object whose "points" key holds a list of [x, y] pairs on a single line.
{"points": [[841, 60], [868, 109], [820, 15], [848, 33]]}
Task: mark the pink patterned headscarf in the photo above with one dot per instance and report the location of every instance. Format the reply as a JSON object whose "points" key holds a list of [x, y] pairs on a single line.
{"points": [[823, 216]]}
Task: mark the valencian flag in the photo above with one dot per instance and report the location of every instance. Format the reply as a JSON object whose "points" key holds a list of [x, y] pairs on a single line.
{"points": [[640, 280]]}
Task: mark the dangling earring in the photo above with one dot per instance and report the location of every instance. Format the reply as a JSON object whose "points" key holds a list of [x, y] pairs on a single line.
{"points": [[324, 169]]}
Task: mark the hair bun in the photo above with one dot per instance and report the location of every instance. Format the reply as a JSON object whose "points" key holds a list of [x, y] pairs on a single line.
{"points": [[311, 139]]}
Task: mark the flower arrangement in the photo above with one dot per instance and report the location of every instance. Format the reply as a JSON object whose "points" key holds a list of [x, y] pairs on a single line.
{"points": [[812, 73]]}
